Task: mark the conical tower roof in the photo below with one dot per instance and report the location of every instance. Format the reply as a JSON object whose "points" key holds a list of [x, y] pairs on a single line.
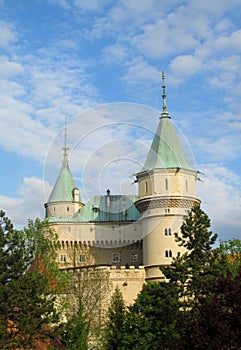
{"points": [[64, 185], [63, 188], [166, 150]]}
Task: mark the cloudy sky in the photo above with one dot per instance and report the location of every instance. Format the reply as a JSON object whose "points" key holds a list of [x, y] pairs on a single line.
{"points": [[98, 63]]}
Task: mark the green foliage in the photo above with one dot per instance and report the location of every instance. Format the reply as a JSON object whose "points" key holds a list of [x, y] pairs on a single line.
{"points": [[194, 270], [230, 252], [115, 322], [86, 291], [76, 331], [151, 321], [215, 324], [26, 298], [200, 306]]}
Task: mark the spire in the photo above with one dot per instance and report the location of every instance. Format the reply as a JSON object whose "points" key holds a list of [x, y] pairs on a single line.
{"points": [[65, 148], [164, 113], [166, 150], [64, 185]]}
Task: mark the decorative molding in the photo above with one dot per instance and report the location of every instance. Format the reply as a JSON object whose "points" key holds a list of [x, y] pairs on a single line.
{"points": [[167, 202]]}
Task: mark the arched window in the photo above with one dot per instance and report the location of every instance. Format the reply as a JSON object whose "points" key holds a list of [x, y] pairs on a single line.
{"points": [[146, 187], [169, 231], [166, 232], [168, 254]]}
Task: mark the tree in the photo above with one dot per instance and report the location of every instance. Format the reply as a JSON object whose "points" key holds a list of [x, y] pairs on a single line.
{"points": [[27, 293], [230, 252], [86, 293], [216, 323], [151, 321], [194, 270], [76, 331], [115, 321]]}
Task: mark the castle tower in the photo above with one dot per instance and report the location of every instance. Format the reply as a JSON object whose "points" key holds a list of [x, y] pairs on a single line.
{"points": [[167, 192], [64, 200]]}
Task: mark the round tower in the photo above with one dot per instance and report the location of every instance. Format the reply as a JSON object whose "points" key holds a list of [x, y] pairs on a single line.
{"points": [[167, 192]]}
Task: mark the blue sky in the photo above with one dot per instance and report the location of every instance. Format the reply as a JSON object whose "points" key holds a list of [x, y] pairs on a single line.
{"points": [[98, 63]]}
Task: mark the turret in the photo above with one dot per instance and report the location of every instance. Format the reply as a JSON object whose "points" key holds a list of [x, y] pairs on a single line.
{"points": [[64, 200], [167, 192]]}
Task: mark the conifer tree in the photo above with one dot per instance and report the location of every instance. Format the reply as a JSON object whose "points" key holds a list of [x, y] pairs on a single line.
{"points": [[26, 294], [194, 270], [115, 322], [150, 323], [76, 330]]}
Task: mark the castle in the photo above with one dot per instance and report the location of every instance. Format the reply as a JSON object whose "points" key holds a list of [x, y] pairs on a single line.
{"points": [[129, 236]]}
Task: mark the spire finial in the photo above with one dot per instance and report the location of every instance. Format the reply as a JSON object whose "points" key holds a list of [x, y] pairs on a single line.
{"points": [[164, 102], [65, 148]]}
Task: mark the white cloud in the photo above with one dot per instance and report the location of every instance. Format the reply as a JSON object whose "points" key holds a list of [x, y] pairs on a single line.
{"points": [[29, 204], [92, 6], [8, 35], [214, 7], [184, 66], [140, 70], [162, 39], [9, 68], [115, 54], [221, 199]]}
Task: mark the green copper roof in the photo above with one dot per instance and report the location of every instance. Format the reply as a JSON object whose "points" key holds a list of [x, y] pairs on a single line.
{"points": [[114, 208], [166, 150], [63, 188]]}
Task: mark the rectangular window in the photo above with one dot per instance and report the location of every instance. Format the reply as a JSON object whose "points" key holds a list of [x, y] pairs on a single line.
{"points": [[82, 258], [116, 257], [62, 258], [134, 257], [166, 183], [146, 187]]}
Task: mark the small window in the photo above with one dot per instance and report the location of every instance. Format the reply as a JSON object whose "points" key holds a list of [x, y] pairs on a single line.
{"points": [[186, 185], [82, 258], [168, 231], [69, 229], [134, 257], [62, 258], [116, 257], [67, 208], [168, 254], [178, 254], [166, 184], [146, 187]]}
